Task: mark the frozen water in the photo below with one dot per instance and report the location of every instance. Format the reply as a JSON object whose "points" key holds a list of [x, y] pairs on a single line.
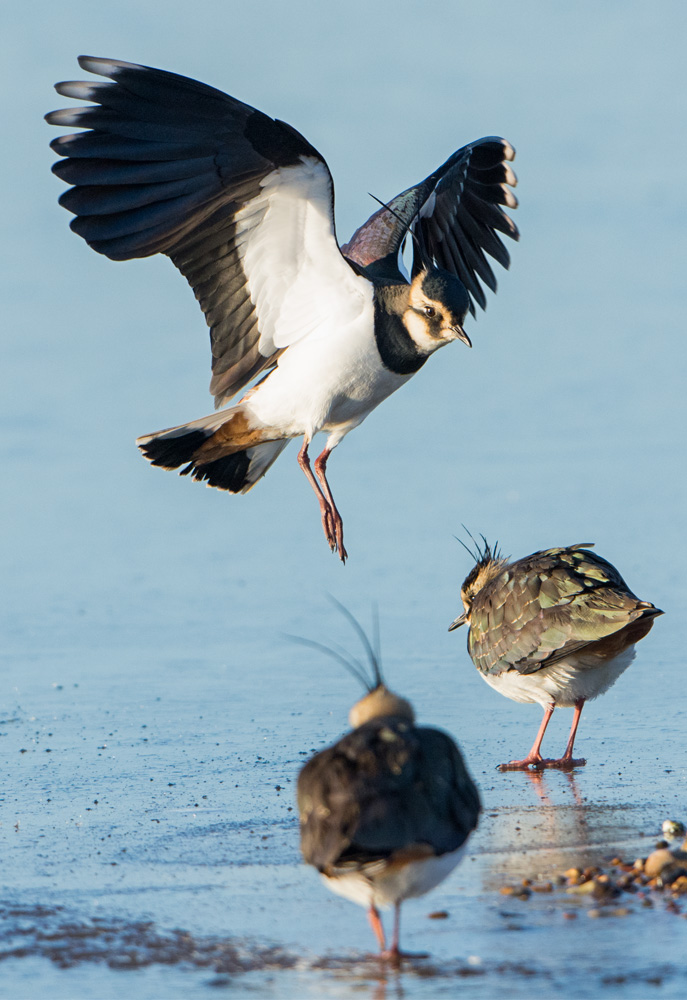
{"points": [[152, 715]]}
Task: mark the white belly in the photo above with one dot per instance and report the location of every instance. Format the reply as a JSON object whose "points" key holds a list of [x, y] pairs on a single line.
{"points": [[565, 682], [383, 888], [329, 381]]}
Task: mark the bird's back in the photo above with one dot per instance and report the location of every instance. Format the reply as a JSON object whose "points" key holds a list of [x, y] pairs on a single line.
{"points": [[550, 604], [385, 787]]}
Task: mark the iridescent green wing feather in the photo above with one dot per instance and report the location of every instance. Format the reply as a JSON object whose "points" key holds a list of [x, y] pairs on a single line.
{"points": [[546, 606]]}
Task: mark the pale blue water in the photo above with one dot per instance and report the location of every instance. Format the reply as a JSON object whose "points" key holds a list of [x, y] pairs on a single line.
{"points": [[144, 614]]}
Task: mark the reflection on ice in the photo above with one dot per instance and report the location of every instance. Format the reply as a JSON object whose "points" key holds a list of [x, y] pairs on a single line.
{"points": [[543, 836]]}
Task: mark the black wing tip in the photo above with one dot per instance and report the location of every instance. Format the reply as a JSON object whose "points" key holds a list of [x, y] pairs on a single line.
{"points": [[495, 140], [104, 66]]}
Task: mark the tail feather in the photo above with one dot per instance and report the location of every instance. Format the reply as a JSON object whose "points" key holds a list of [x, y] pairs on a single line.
{"points": [[229, 473], [236, 471], [171, 452]]}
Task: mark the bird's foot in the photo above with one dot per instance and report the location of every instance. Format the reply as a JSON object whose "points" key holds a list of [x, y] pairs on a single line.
{"points": [[543, 763], [329, 527], [533, 762], [394, 956], [338, 529], [333, 531], [565, 763]]}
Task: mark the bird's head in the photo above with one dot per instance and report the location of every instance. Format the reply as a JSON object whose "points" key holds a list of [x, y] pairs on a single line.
{"points": [[489, 563], [379, 703], [438, 303]]}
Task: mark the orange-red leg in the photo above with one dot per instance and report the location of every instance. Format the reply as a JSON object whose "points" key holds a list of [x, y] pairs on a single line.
{"points": [[376, 925], [533, 758], [394, 953], [321, 471], [325, 507], [567, 760]]}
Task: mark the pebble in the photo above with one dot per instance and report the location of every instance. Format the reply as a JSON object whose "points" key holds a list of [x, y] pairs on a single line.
{"points": [[663, 872], [657, 861], [542, 887], [522, 892]]}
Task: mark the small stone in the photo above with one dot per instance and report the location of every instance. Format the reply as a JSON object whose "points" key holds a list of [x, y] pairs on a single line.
{"points": [[657, 861], [621, 911], [604, 891], [593, 914], [569, 916], [584, 888], [438, 915], [673, 828]]}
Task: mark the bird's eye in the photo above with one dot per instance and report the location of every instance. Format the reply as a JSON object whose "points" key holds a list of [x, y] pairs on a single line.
{"points": [[430, 311]]}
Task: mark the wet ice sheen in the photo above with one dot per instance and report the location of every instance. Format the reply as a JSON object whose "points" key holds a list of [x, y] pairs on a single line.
{"points": [[143, 662]]}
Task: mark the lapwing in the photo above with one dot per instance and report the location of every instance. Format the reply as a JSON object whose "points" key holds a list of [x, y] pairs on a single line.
{"points": [[386, 812], [558, 627], [243, 205]]}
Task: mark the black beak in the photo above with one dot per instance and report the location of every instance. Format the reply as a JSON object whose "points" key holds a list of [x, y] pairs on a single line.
{"points": [[462, 335], [457, 622]]}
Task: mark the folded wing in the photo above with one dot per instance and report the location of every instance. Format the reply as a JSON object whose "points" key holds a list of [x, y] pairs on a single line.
{"points": [[547, 606], [381, 789]]}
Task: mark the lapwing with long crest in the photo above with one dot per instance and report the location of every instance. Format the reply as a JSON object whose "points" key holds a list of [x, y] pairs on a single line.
{"points": [[386, 812], [558, 627], [243, 205]]}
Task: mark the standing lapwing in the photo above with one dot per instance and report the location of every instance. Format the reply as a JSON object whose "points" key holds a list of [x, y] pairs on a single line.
{"points": [[558, 628], [244, 207], [385, 813]]}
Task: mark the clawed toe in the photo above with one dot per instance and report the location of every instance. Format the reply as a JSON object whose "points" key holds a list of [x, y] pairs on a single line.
{"points": [[396, 957], [565, 763], [533, 763], [543, 763]]}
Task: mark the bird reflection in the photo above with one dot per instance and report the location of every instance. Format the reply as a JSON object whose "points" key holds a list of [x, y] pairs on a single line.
{"points": [[540, 784], [550, 831], [388, 987]]}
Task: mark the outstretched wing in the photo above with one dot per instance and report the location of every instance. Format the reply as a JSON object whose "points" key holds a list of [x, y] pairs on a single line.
{"points": [[241, 203], [546, 606], [455, 211]]}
